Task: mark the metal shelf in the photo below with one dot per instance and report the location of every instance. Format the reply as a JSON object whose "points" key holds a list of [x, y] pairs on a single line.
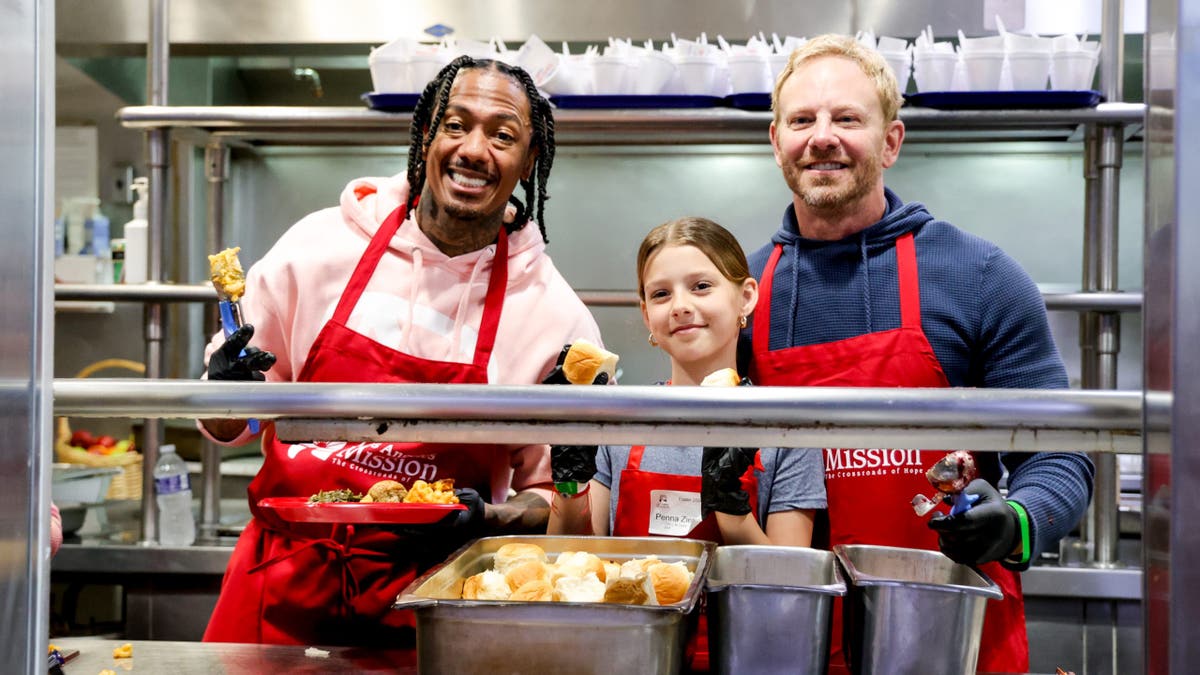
{"points": [[846, 417], [346, 125], [1080, 302]]}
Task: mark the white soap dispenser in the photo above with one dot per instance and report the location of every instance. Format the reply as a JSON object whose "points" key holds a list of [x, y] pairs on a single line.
{"points": [[136, 236]]}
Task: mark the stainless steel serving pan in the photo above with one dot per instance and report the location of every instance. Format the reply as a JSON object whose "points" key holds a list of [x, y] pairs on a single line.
{"points": [[912, 611], [769, 609], [486, 636]]}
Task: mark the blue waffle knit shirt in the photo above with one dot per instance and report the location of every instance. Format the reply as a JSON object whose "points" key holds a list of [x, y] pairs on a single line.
{"points": [[980, 311]]}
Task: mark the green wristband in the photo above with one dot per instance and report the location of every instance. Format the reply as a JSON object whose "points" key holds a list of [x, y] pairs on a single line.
{"points": [[1023, 519], [570, 488]]}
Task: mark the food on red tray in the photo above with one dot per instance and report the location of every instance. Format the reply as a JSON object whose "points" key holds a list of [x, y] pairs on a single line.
{"points": [[393, 492], [385, 492], [585, 361], [331, 496], [437, 492], [725, 377], [952, 473]]}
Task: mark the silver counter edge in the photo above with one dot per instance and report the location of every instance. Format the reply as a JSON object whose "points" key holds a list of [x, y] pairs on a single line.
{"points": [[118, 559]]}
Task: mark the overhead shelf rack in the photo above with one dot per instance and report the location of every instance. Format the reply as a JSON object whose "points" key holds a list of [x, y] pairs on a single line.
{"points": [[280, 125]]}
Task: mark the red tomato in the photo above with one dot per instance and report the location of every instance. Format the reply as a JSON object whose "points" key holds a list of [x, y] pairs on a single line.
{"points": [[82, 439]]}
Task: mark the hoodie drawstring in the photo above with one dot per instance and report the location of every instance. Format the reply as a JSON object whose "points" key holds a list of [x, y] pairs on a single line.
{"points": [[862, 247], [460, 315]]}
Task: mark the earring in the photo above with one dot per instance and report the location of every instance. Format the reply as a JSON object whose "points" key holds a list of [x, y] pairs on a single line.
{"points": [[742, 321], [651, 340]]}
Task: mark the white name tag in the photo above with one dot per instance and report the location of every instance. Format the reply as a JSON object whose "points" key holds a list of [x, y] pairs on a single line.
{"points": [[674, 513]]}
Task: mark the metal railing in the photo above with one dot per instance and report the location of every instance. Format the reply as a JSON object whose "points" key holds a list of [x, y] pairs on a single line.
{"points": [[978, 419]]}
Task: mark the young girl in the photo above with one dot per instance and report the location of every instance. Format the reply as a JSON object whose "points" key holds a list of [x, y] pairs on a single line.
{"points": [[696, 293]]}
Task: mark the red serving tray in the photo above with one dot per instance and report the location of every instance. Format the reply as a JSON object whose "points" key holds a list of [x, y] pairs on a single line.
{"points": [[299, 510]]}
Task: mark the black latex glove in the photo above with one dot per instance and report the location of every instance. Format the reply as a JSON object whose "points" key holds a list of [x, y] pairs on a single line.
{"points": [[721, 471], [431, 544], [226, 364], [986, 533], [557, 376], [471, 521], [572, 463]]}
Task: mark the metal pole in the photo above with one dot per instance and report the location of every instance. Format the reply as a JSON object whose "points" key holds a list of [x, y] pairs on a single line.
{"points": [[216, 170], [157, 61], [1102, 264]]}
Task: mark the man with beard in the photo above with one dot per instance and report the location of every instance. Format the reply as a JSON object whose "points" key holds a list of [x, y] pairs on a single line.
{"points": [[859, 288], [437, 276]]}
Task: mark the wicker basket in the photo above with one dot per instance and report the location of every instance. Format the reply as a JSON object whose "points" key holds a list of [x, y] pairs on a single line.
{"points": [[127, 484]]}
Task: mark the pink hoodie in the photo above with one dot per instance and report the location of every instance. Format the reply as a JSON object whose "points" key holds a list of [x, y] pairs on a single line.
{"points": [[419, 301]]}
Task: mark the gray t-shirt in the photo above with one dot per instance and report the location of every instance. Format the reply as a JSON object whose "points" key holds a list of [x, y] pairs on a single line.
{"points": [[793, 478]]}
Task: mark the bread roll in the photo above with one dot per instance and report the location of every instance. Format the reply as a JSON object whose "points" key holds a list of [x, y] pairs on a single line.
{"points": [[725, 377], [537, 590], [526, 571], [670, 581], [587, 588], [578, 564], [585, 361], [385, 491], [631, 568], [611, 570], [489, 585], [630, 590], [509, 555]]}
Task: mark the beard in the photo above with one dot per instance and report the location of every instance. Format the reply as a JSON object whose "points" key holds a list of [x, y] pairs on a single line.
{"points": [[834, 195]]}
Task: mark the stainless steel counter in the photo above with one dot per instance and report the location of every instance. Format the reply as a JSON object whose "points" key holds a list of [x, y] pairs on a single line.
{"points": [[184, 658], [95, 557]]}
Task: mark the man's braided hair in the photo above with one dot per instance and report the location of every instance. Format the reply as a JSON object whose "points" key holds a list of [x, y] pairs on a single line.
{"points": [[427, 117]]}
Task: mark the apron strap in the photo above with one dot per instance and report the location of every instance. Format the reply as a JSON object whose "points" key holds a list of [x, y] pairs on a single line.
{"points": [[635, 458], [367, 264], [342, 551], [910, 290], [493, 304], [762, 312]]}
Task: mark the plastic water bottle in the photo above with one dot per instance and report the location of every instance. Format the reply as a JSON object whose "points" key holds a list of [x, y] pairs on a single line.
{"points": [[173, 492]]}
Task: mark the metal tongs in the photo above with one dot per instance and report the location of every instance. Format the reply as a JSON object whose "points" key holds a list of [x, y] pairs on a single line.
{"points": [[950, 475]]}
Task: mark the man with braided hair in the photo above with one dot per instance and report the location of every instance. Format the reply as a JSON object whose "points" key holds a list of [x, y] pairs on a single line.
{"points": [[433, 277]]}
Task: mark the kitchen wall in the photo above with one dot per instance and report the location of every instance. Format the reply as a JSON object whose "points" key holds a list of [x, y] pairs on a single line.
{"points": [[1027, 198]]}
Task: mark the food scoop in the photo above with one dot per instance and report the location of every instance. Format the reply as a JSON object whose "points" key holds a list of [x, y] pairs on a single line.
{"points": [[229, 280], [950, 475]]}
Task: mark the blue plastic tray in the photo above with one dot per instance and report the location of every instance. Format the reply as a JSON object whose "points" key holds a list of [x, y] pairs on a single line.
{"points": [[990, 100], [635, 101], [750, 100], [391, 102]]}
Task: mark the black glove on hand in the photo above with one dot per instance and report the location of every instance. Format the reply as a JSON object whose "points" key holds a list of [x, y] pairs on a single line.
{"points": [[721, 472], [471, 521], [987, 532], [572, 463], [557, 376], [226, 364]]}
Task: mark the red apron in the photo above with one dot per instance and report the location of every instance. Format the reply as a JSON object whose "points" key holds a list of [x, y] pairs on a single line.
{"points": [[319, 584], [645, 495], [894, 358]]}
